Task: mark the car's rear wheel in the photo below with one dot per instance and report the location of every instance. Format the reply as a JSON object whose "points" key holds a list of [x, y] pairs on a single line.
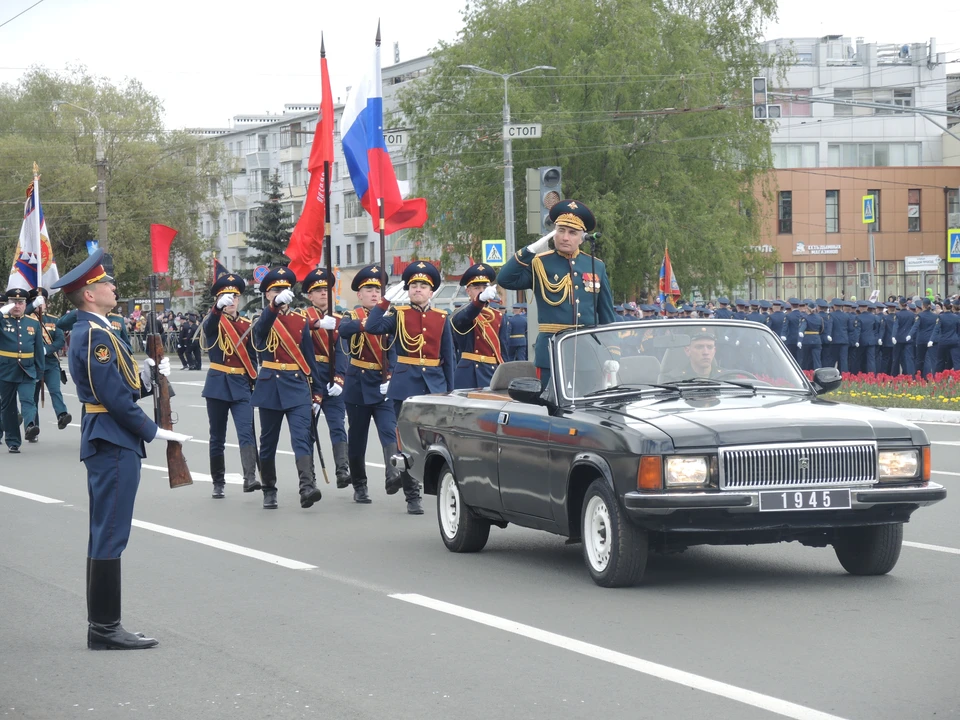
{"points": [[869, 550], [461, 530], [614, 549]]}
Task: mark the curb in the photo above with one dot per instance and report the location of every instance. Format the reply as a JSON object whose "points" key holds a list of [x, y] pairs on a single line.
{"points": [[944, 416]]}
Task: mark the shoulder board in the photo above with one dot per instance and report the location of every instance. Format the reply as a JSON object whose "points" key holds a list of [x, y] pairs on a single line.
{"points": [[301, 312], [545, 252], [242, 320], [52, 316]]}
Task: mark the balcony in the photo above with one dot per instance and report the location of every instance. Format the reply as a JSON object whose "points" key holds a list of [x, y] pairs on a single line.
{"points": [[258, 161], [236, 240], [291, 154], [357, 226]]}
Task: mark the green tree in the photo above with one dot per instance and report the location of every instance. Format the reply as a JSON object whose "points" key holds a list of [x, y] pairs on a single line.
{"points": [[154, 176], [647, 113], [270, 235]]}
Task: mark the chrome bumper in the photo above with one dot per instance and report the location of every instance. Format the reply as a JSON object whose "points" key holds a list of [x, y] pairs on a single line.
{"points": [[861, 498]]}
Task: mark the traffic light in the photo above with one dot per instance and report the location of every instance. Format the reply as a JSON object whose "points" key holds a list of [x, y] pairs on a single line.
{"points": [[762, 110], [543, 192]]}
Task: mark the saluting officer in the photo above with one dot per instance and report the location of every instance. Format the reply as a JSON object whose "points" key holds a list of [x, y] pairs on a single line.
{"points": [[284, 386], [368, 379], [517, 326], [481, 333], [21, 366], [53, 340], [571, 288], [112, 436], [326, 345], [425, 354], [228, 386]]}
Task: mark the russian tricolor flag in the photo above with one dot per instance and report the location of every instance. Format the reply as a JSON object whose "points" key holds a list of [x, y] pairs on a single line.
{"points": [[371, 170]]}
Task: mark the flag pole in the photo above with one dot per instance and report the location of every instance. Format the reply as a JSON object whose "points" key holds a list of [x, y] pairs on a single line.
{"points": [[329, 263], [383, 238], [36, 220]]}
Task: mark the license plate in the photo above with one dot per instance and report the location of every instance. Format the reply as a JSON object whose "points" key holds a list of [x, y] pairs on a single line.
{"points": [[783, 500]]}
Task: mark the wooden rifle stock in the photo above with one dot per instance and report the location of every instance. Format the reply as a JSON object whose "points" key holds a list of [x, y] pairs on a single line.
{"points": [[176, 463]]}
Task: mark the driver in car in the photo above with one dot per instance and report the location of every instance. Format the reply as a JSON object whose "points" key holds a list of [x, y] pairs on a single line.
{"points": [[701, 355]]}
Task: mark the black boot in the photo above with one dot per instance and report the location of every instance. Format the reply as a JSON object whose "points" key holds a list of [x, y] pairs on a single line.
{"points": [[248, 461], [268, 476], [393, 481], [217, 471], [103, 610], [358, 478], [64, 419], [32, 432], [411, 491], [343, 465], [309, 492]]}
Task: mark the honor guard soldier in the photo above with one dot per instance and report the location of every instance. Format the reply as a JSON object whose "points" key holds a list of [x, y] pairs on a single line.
{"points": [[228, 387], [284, 386], [794, 324], [21, 367], [53, 340], [928, 335], [570, 287], [481, 333], [889, 322], [425, 354], [326, 345], [517, 325], [812, 338], [870, 338], [368, 379], [112, 436], [904, 354]]}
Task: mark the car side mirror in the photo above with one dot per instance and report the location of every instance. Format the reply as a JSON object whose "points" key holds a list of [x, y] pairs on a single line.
{"points": [[526, 390], [826, 379]]}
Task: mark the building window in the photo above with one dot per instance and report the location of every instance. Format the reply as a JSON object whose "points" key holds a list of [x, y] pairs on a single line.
{"points": [[206, 228], [873, 154], [336, 214], [351, 206], [373, 253], [265, 180], [913, 210], [833, 211], [290, 135], [787, 155], [254, 217], [336, 170], [895, 97], [233, 222], [360, 260], [213, 187], [241, 221], [875, 226], [338, 254], [261, 142], [785, 212], [349, 259]]}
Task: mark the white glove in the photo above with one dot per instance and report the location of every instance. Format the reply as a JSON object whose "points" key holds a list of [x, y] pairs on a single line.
{"points": [[38, 302], [737, 344], [894, 341], [225, 301], [542, 244], [880, 341], [856, 344], [327, 322], [783, 337], [799, 345], [284, 297], [908, 338], [172, 436], [384, 387], [316, 409], [489, 293], [334, 390], [829, 338], [930, 343], [801, 336], [6, 308]]}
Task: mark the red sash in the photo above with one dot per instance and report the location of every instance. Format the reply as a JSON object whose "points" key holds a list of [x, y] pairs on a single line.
{"points": [[374, 346], [319, 336], [292, 347], [240, 348], [490, 336]]}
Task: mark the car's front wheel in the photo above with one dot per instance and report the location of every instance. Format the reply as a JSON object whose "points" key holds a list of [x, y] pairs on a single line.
{"points": [[614, 549], [869, 550], [461, 530]]}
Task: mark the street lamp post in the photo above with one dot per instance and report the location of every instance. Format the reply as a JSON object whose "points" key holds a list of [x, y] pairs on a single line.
{"points": [[508, 210], [101, 174]]}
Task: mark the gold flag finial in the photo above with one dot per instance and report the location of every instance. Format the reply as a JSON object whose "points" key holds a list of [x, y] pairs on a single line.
{"points": [[36, 169]]}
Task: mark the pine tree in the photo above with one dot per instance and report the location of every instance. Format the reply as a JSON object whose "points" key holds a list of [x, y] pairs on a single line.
{"points": [[271, 235]]}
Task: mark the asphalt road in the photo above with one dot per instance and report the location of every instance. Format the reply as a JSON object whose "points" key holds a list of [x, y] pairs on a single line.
{"points": [[348, 611]]}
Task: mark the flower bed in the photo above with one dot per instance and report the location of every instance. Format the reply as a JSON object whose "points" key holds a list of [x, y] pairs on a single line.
{"points": [[941, 391]]}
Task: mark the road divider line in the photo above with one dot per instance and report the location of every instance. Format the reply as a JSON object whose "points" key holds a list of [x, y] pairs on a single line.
{"points": [[945, 442], [944, 472], [646, 667], [226, 546], [29, 495], [229, 478], [935, 548]]}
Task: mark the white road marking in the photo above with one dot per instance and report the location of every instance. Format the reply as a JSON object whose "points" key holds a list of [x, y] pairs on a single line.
{"points": [[936, 548], [185, 382], [663, 672], [230, 478], [945, 442], [228, 547], [29, 495], [944, 472]]}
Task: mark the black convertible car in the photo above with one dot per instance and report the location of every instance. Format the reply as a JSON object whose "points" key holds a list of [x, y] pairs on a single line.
{"points": [[660, 435]]}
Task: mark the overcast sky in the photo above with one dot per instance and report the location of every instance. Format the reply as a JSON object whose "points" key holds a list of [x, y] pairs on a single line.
{"points": [[208, 61]]}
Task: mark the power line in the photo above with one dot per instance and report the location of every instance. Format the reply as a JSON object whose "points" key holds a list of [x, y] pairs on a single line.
{"points": [[6, 22]]}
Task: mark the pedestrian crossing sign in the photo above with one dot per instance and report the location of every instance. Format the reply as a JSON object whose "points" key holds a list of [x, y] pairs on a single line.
{"points": [[869, 209], [953, 245], [494, 252]]}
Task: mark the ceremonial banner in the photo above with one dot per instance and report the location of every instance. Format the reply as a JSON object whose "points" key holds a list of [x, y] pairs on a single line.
{"points": [[33, 258]]}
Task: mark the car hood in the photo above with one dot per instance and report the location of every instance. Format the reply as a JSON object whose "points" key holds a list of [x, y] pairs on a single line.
{"points": [[724, 418]]}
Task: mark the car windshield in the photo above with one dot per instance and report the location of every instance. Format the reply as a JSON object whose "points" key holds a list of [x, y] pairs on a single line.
{"points": [[672, 355]]}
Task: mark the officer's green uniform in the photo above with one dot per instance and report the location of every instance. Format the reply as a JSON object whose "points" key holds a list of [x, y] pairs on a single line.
{"points": [[569, 291], [21, 355]]}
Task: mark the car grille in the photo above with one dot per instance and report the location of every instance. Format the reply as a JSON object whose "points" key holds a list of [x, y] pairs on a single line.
{"points": [[798, 465]]}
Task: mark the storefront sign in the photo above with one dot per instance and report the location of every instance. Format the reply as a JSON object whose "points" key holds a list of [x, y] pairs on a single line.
{"points": [[804, 249]]}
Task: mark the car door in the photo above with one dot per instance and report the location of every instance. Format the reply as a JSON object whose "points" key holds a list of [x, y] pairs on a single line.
{"points": [[472, 437], [523, 432]]}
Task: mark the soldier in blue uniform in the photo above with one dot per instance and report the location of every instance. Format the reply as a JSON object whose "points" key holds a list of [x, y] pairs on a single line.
{"points": [[723, 312], [112, 436], [368, 378], [755, 315], [425, 357], [21, 366], [481, 333], [517, 325], [326, 345], [888, 319], [904, 354], [870, 338], [812, 338], [949, 336], [284, 387], [54, 340], [928, 335], [228, 387], [570, 287], [839, 342], [776, 319], [793, 326]]}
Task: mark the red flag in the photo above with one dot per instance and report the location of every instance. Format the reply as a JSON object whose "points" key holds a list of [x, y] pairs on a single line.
{"points": [[161, 237], [306, 242], [668, 281]]}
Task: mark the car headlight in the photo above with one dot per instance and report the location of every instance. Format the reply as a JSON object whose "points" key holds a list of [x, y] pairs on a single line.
{"points": [[898, 464], [684, 471]]}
